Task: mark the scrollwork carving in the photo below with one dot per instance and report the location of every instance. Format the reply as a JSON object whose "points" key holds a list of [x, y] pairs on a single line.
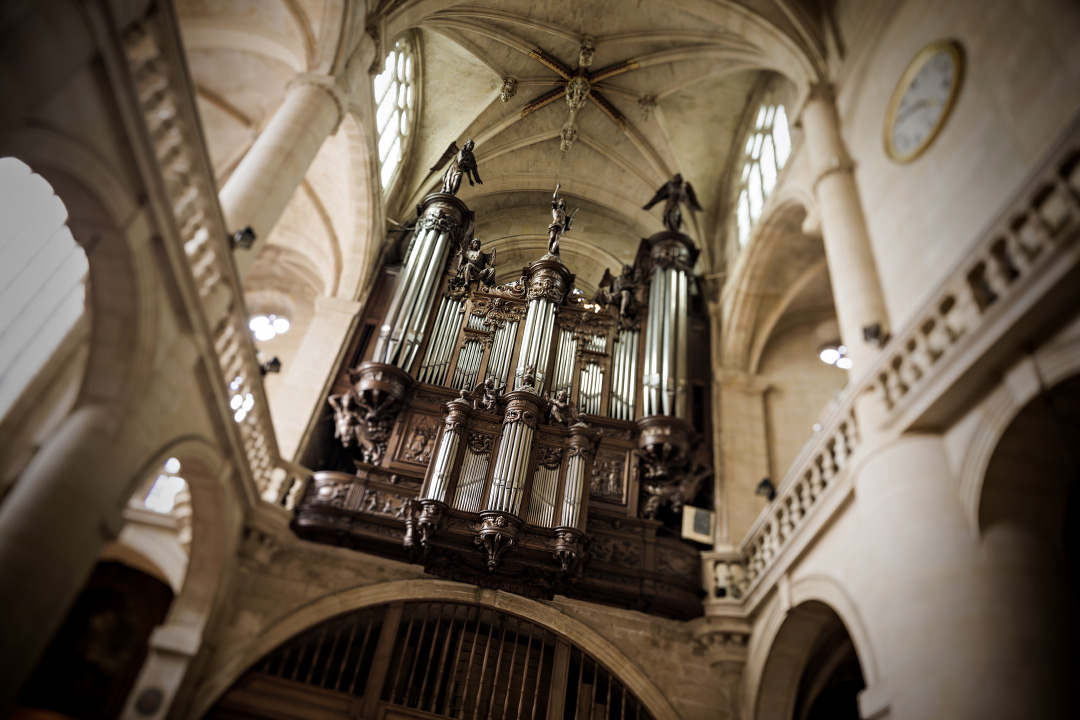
{"points": [[550, 457]]}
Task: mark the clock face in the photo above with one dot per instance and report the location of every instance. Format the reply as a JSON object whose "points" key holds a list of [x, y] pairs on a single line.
{"points": [[922, 100]]}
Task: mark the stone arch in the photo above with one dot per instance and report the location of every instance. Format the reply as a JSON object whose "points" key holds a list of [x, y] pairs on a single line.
{"points": [[789, 640], [1049, 366], [100, 212], [215, 523], [630, 673], [751, 274]]}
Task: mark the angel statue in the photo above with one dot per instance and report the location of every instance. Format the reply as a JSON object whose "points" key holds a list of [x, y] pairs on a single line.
{"points": [[619, 290], [675, 192], [561, 409], [462, 162], [485, 396], [560, 221], [475, 265]]}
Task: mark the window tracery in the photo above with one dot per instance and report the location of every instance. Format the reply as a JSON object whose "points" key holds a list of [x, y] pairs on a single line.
{"points": [[768, 145], [42, 277], [395, 100]]}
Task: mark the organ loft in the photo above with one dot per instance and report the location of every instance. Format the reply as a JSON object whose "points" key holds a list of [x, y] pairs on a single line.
{"points": [[561, 360], [521, 436]]}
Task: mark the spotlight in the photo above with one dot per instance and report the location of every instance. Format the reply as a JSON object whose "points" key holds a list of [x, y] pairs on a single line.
{"points": [[766, 488], [243, 239]]}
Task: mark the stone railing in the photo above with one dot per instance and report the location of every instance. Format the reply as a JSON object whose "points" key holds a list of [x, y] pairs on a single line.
{"points": [[165, 97], [732, 576], [1028, 245], [1026, 241]]}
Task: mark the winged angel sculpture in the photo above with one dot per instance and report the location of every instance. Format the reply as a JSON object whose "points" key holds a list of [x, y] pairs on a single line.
{"points": [[675, 192], [462, 163], [620, 290]]}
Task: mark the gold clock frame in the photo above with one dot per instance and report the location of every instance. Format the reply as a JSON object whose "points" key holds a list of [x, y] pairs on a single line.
{"points": [[954, 49]]}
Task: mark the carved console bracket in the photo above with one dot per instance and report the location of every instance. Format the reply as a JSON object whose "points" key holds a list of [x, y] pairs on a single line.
{"points": [[498, 536], [370, 408], [569, 548]]}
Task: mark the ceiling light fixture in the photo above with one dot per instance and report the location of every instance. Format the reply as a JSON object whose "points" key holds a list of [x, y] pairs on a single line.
{"points": [[267, 327], [835, 354]]}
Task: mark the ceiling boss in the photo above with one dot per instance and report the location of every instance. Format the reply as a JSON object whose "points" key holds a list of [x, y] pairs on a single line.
{"points": [[580, 86]]}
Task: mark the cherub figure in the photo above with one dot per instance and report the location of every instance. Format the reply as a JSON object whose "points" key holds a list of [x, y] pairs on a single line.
{"points": [[485, 396], [475, 265], [674, 192], [462, 162], [560, 221], [621, 290], [561, 409]]}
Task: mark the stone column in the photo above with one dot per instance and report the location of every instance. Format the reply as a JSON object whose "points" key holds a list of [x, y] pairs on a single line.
{"points": [[855, 284], [53, 524], [744, 460], [262, 185], [963, 627], [304, 384]]}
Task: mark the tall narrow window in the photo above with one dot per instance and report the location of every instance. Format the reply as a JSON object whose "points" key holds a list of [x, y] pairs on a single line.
{"points": [[42, 277], [767, 148], [395, 98]]}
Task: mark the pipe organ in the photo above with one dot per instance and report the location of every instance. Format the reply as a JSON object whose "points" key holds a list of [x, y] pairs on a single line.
{"points": [[515, 436]]}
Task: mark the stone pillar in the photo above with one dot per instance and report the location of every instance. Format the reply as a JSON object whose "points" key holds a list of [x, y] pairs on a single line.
{"points": [[171, 650], [263, 184], [744, 460], [53, 524], [855, 284], [303, 387], [963, 627]]}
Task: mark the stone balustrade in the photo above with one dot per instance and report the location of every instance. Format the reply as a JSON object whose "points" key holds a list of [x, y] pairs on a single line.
{"points": [[165, 98], [732, 576], [1029, 238], [1028, 244]]}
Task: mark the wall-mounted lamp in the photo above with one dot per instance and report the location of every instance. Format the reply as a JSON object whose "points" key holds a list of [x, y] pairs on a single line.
{"points": [[243, 239], [874, 335], [766, 488], [273, 365]]}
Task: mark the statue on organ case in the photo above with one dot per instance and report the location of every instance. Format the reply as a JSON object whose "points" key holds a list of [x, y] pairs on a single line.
{"points": [[475, 265]]}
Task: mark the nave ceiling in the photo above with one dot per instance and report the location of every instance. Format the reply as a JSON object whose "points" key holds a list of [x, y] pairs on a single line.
{"points": [[706, 64]]}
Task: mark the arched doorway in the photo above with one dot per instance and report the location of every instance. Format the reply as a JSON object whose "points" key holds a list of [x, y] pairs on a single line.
{"points": [[429, 659], [91, 663], [1029, 522], [812, 671]]}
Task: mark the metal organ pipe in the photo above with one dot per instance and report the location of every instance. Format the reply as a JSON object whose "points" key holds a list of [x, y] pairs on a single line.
{"points": [[571, 511], [422, 308], [412, 287]]}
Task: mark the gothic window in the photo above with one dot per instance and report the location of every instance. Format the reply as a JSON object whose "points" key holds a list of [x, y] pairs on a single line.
{"points": [[42, 277], [395, 100], [768, 145]]}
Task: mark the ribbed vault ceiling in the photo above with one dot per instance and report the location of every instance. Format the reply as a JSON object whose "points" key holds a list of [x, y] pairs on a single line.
{"points": [[701, 61]]}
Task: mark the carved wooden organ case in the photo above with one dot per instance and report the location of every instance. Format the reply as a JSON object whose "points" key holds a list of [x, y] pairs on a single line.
{"points": [[516, 437]]}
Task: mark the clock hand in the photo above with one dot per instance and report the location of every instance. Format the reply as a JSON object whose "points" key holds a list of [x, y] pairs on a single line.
{"points": [[904, 113]]}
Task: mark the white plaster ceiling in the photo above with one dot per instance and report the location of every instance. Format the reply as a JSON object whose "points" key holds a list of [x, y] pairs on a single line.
{"points": [[702, 61]]}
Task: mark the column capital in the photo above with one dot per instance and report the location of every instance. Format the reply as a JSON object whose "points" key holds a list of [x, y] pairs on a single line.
{"points": [[330, 85]]}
